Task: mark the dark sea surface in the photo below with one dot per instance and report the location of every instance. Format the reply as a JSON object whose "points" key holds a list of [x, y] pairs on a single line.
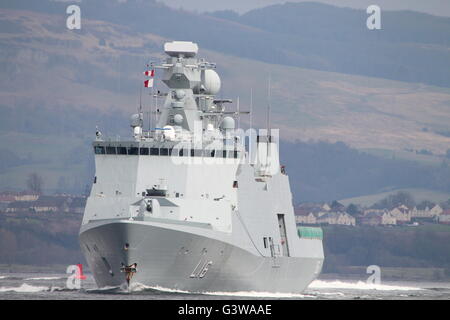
{"points": [[42, 286]]}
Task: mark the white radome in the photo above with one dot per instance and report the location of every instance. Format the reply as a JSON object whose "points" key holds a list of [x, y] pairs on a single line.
{"points": [[211, 82]]}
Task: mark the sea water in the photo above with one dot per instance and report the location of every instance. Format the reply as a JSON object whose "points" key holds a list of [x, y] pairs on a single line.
{"points": [[53, 286]]}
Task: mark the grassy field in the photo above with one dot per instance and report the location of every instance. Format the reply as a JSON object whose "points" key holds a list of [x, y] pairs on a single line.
{"points": [[432, 160]]}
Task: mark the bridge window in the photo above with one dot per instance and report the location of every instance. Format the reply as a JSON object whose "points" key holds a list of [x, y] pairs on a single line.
{"points": [[224, 153], [154, 151], [212, 153], [133, 151], [110, 150], [121, 150], [198, 153], [99, 150], [144, 151], [164, 152]]}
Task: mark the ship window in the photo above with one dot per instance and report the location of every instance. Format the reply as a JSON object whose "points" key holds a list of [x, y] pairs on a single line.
{"points": [[95, 179], [99, 150], [235, 154], [235, 184], [224, 153], [230, 154], [170, 151], [164, 152], [110, 150], [133, 151], [265, 242], [181, 152], [144, 151], [121, 150], [198, 153], [213, 153], [154, 151], [192, 152]]}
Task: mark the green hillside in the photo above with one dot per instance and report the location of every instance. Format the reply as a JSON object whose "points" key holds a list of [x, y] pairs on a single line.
{"points": [[419, 195]]}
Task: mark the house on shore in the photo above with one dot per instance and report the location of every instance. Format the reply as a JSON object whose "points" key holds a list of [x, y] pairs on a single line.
{"points": [[373, 217], [402, 214], [48, 204], [340, 218], [426, 213], [305, 217], [444, 217]]}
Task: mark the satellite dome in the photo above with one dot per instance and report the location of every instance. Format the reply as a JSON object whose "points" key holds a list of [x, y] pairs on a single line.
{"points": [[227, 123], [211, 82], [136, 120], [178, 119], [180, 94]]}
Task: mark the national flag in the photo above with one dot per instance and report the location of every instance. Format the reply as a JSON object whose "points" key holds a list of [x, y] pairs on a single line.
{"points": [[148, 83], [150, 73]]}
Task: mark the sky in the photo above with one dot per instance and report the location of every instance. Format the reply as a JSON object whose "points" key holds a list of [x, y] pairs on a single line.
{"points": [[435, 7]]}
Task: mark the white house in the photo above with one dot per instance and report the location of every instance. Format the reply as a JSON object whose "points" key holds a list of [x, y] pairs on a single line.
{"points": [[444, 217], [427, 213], [308, 218], [401, 214], [378, 217]]}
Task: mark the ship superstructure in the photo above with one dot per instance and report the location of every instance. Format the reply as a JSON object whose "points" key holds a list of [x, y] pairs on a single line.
{"points": [[194, 203]]}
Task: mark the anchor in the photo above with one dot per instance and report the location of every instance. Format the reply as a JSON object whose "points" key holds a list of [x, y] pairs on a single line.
{"points": [[129, 271]]}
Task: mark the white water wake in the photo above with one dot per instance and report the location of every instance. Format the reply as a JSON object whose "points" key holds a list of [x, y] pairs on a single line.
{"points": [[360, 285], [258, 294], [45, 278], [24, 288], [137, 287]]}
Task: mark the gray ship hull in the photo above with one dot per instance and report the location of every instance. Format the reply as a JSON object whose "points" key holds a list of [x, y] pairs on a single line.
{"points": [[188, 258]]}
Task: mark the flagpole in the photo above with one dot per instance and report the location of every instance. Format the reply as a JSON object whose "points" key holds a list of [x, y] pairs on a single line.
{"points": [[250, 139], [140, 99], [156, 105], [239, 114]]}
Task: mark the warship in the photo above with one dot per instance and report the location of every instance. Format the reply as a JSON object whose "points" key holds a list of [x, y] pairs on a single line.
{"points": [[195, 203]]}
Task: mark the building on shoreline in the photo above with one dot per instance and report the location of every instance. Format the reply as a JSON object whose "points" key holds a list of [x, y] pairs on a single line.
{"points": [[47, 204], [319, 213]]}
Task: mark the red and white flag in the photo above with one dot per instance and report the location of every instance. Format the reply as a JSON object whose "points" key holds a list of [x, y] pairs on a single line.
{"points": [[148, 83], [150, 73]]}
